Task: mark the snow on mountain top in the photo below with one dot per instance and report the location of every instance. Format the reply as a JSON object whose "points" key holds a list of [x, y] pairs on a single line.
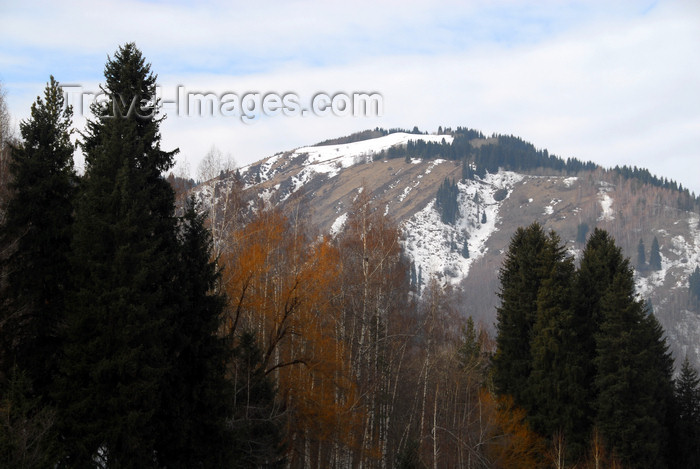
{"points": [[345, 152], [330, 159]]}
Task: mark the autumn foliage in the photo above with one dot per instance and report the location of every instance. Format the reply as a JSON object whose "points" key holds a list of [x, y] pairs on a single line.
{"points": [[364, 371]]}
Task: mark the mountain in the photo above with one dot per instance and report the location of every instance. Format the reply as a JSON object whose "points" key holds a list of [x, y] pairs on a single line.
{"points": [[459, 196]]}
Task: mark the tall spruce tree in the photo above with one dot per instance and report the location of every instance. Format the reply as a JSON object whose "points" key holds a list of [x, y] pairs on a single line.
{"points": [[634, 377], [655, 255], [197, 397], [600, 262], [641, 255], [557, 380], [694, 284], [686, 440], [121, 311], [36, 239], [524, 269]]}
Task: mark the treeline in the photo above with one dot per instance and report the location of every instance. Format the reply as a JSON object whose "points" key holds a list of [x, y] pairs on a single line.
{"points": [[488, 155], [480, 155], [643, 175], [587, 360]]}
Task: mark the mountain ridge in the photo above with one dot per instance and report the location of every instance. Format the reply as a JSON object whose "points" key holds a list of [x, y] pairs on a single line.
{"points": [[403, 172]]}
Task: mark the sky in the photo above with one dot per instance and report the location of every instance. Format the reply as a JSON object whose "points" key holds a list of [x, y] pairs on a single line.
{"points": [[616, 83]]}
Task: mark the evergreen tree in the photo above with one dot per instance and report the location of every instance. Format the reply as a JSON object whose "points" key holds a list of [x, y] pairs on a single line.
{"points": [[465, 249], [125, 263], [446, 201], [27, 433], [556, 382], [633, 380], [413, 281], [196, 396], [483, 217], [36, 235], [641, 255], [420, 278], [600, 262], [521, 276], [686, 441], [694, 284], [467, 170], [655, 256]]}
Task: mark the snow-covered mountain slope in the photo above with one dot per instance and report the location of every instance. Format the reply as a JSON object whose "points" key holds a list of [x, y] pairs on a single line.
{"points": [[437, 248], [304, 163], [490, 209]]}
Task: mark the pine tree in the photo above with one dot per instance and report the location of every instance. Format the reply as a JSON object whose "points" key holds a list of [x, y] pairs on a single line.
{"points": [[413, 280], [27, 432], [686, 441], [641, 255], [36, 235], [483, 217], [694, 284], [655, 256], [521, 277], [624, 354], [420, 278], [600, 262], [197, 397], [633, 380], [556, 382], [125, 264], [465, 249]]}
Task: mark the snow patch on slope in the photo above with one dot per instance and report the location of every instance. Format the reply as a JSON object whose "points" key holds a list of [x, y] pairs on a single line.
{"points": [[338, 224], [606, 206], [687, 253], [436, 247]]}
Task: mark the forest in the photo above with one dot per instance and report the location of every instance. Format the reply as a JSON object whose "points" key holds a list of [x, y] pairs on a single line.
{"points": [[137, 330]]}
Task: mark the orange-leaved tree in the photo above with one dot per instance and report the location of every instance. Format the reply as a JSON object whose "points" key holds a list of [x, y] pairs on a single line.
{"points": [[280, 282]]}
